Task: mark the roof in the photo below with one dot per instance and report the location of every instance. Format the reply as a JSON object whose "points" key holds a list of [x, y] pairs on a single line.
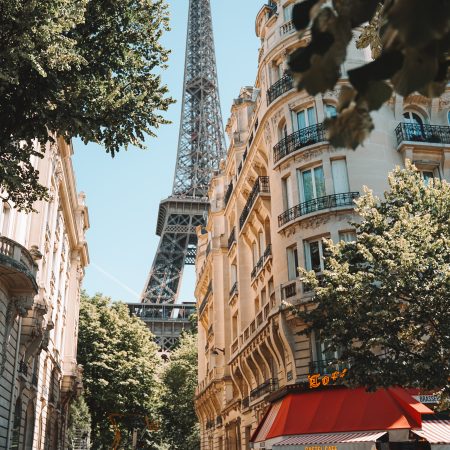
{"points": [[341, 410]]}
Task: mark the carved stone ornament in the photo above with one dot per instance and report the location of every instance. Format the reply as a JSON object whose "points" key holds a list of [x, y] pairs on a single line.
{"points": [[267, 133], [277, 116]]}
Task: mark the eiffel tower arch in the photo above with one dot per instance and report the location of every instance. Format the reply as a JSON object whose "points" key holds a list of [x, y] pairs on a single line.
{"points": [[201, 146]]}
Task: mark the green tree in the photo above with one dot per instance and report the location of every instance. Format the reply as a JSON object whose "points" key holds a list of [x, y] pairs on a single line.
{"points": [[79, 422], [179, 424], [409, 40], [71, 68], [120, 369], [384, 300]]}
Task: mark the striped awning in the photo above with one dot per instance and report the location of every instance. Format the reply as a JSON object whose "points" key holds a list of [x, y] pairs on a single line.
{"points": [[355, 440], [268, 422], [435, 431]]}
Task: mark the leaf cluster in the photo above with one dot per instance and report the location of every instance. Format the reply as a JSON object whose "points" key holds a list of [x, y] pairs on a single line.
{"points": [[76, 68], [410, 41], [179, 424], [384, 300], [120, 367]]}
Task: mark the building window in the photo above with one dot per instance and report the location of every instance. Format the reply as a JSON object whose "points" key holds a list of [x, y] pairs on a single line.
{"points": [[314, 251], [330, 111], [340, 176], [322, 354], [235, 326], [233, 275], [17, 424], [414, 129], [286, 187], [292, 262], [254, 253], [287, 12], [306, 118], [6, 218], [347, 236], [311, 183]]}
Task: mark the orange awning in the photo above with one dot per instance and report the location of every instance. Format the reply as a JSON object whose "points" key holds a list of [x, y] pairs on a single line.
{"points": [[341, 410]]}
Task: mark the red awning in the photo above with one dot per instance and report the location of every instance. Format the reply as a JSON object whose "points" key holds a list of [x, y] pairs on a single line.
{"points": [[341, 410]]}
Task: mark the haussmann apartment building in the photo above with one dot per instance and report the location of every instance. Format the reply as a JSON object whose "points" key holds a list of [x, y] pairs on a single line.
{"points": [[42, 259], [281, 189]]}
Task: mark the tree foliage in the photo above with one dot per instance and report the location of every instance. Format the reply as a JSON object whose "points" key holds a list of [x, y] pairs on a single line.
{"points": [[79, 421], [72, 68], [120, 369], [384, 300], [179, 424], [410, 43]]}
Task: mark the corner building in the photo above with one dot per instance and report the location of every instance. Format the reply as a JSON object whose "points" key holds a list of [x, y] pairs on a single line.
{"points": [[42, 260], [281, 189]]}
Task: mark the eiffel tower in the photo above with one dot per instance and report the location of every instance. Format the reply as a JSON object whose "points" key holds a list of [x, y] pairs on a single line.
{"points": [[201, 146]]}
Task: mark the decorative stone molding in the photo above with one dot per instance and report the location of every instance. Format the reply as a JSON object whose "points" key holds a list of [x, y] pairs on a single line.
{"points": [[19, 305]]}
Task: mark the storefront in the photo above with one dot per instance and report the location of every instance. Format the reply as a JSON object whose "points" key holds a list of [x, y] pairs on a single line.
{"points": [[351, 419]]}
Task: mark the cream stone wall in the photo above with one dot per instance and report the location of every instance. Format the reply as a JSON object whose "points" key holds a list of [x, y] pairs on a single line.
{"points": [[249, 345], [44, 371]]}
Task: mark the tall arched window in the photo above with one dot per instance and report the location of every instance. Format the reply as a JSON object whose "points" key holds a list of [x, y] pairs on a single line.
{"points": [[29, 426], [413, 126]]}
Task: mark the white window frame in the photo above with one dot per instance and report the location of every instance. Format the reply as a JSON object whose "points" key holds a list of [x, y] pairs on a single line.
{"points": [[300, 181], [308, 259]]}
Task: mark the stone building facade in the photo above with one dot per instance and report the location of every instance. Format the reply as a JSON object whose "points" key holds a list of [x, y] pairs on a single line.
{"points": [[281, 189], [42, 260]]}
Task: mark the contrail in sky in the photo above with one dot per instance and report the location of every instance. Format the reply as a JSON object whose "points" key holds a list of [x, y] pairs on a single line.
{"points": [[113, 278]]}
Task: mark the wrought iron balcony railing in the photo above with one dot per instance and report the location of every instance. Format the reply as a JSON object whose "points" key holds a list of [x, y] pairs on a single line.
{"points": [[260, 264], [234, 289], [205, 299], [245, 402], [317, 204], [228, 193], [23, 368], [232, 238], [433, 134], [299, 139], [261, 186], [283, 85], [263, 389]]}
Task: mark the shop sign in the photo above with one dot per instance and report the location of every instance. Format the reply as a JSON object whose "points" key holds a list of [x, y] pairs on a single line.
{"points": [[316, 380], [426, 398]]}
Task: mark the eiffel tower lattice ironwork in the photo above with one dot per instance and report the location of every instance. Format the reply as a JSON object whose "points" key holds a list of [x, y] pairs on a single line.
{"points": [[201, 146]]}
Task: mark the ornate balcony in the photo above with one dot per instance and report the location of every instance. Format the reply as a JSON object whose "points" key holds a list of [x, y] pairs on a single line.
{"points": [[205, 299], [287, 28], [430, 134], [262, 261], [297, 140], [317, 204], [228, 193], [283, 85], [261, 186], [17, 266], [234, 290], [232, 238], [265, 388]]}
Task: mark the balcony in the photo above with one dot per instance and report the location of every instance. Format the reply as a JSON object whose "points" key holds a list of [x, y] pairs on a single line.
{"points": [[317, 204], [268, 386], [234, 290], [297, 140], [23, 368], [283, 85], [228, 193], [262, 261], [261, 186], [17, 267], [205, 299], [429, 134], [287, 28], [232, 238], [289, 290]]}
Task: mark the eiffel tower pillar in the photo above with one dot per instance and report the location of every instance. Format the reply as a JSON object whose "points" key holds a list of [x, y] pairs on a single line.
{"points": [[201, 146]]}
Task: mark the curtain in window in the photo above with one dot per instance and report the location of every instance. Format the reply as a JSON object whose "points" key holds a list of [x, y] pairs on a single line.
{"points": [[319, 181], [340, 177]]}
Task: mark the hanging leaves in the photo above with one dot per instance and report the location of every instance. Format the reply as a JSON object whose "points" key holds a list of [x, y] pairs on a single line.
{"points": [[409, 40]]}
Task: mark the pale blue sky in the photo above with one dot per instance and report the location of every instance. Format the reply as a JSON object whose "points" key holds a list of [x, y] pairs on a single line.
{"points": [[123, 193]]}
